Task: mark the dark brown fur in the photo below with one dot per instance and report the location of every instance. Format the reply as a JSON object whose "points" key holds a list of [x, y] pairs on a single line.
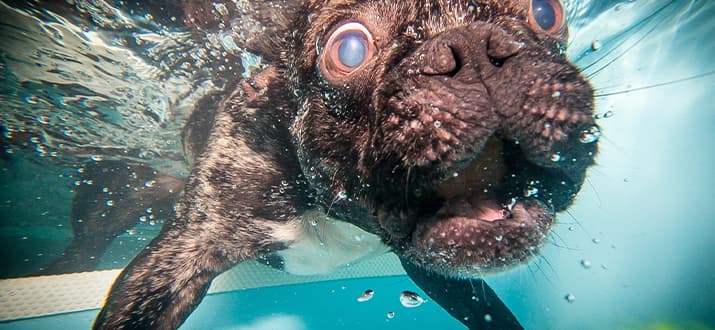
{"points": [[366, 149]]}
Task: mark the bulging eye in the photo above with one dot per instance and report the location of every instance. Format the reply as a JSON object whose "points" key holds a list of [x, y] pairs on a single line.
{"points": [[547, 16], [348, 47], [352, 49]]}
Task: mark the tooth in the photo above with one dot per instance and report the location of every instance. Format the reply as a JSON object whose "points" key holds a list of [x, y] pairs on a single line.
{"points": [[511, 204]]}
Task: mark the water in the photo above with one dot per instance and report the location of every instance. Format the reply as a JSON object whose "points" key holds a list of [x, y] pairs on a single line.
{"points": [[322, 305], [633, 252]]}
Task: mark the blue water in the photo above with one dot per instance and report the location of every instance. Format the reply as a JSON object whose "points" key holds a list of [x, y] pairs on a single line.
{"points": [[323, 305], [634, 252]]}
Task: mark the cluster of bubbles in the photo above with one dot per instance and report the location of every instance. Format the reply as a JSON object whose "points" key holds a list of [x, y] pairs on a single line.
{"points": [[408, 299]]}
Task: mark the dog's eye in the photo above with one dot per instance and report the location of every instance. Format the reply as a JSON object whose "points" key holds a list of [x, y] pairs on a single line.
{"points": [[348, 47], [547, 16], [351, 51]]}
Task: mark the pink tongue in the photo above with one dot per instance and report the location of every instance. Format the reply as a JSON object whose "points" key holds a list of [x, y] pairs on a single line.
{"points": [[482, 209], [469, 193], [489, 210]]}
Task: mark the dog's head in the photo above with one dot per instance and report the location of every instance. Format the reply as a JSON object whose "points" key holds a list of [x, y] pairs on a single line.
{"points": [[453, 129]]}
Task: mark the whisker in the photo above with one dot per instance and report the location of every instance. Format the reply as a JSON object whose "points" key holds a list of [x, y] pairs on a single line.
{"points": [[591, 75], [578, 223], [407, 185], [667, 83], [481, 279], [332, 184], [617, 47], [324, 225], [551, 267], [531, 271], [598, 196], [331, 204], [536, 263], [474, 290], [561, 246], [612, 143]]}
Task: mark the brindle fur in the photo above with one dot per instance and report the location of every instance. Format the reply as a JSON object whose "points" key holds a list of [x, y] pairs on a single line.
{"points": [[365, 148]]}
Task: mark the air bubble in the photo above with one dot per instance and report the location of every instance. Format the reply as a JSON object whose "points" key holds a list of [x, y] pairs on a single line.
{"points": [[590, 135], [570, 298], [437, 124], [586, 263], [365, 296], [487, 318], [32, 99], [390, 315], [555, 158], [42, 150], [531, 191], [110, 203], [43, 119], [96, 158], [410, 299], [596, 45]]}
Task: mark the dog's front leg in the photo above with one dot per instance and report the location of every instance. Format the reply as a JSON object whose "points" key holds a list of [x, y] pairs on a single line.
{"points": [[240, 202]]}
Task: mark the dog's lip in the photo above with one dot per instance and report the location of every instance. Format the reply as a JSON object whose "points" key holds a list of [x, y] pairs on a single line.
{"points": [[483, 242], [477, 225]]}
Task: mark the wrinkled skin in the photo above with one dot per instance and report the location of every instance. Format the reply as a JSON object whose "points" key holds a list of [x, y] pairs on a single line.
{"points": [[455, 141], [406, 163]]}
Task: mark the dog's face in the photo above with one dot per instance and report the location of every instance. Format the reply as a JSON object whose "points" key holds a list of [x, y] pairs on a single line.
{"points": [[453, 129]]}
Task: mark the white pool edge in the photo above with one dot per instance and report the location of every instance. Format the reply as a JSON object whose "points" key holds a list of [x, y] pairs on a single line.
{"points": [[28, 297]]}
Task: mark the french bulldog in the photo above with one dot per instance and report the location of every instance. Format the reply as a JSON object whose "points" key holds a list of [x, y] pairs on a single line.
{"points": [[448, 132]]}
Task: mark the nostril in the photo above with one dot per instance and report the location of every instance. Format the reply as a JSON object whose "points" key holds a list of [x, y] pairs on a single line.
{"points": [[457, 63], [501, 47], [441, 59], [496, 62]]}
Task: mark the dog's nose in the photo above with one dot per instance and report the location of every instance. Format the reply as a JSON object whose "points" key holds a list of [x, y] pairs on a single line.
{"points": [[470, 46], [440, 60]]}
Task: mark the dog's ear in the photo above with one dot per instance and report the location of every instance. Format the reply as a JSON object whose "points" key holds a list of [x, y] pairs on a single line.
{"points": [[259, 27]]}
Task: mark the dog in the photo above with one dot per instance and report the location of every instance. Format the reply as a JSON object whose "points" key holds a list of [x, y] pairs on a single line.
{"points": [[448, 132]]}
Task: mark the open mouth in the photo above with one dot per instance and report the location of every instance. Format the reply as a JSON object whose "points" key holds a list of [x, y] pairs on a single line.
{"points": [[479, 225], [477, 167]]}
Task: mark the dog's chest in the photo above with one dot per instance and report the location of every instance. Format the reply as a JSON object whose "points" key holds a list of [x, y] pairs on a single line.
{"points": [[320, 244]]}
